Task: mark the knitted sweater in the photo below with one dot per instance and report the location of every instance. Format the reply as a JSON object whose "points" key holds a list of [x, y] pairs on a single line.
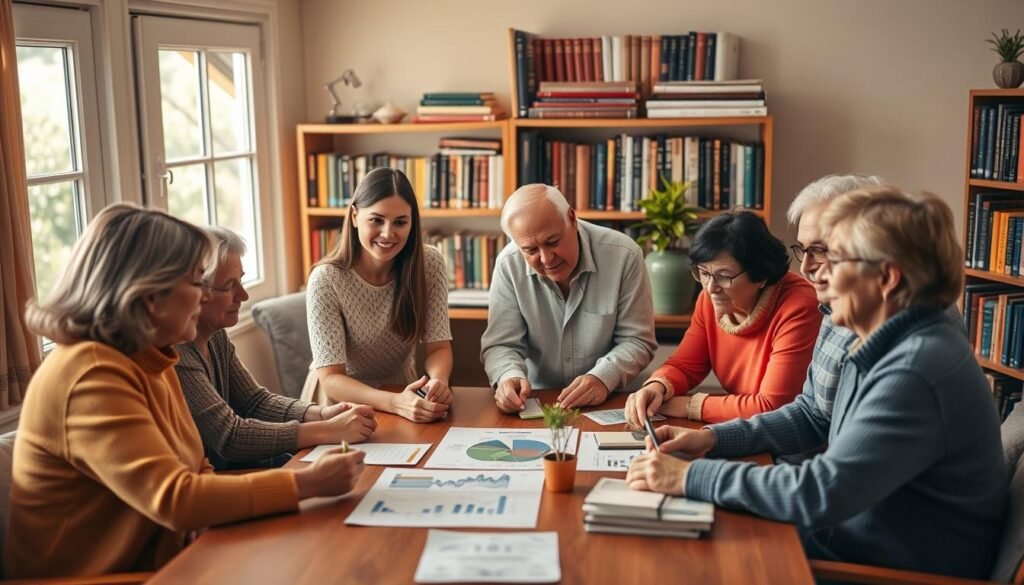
{"points": [[761, 363], [109, 472], [239, 420], [913, 476]]}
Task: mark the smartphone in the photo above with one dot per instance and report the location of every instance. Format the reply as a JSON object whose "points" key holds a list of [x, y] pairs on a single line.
{"points": [[650, 431]]}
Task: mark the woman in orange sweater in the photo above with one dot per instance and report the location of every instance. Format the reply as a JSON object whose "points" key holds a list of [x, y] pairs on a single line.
{"points": [[754, 326], [109, 473]]}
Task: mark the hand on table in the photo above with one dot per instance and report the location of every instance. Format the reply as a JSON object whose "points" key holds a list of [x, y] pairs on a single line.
{"points": [[333, 474], [585, 390], [410, 405], [644, 402], [439, 391], [354, 424], [690, 442], [511, 394]]}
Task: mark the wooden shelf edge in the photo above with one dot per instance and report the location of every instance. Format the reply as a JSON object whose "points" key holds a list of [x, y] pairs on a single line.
{"points": [[996, 184], [997, 92], [398, 128], [997, 367], [424, 212], [480, 314], [995, 277], [639, 122]]}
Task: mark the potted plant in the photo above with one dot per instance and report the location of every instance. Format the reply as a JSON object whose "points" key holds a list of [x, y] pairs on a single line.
{"points": [[560, 464], [665, 231], [1009, 73]]}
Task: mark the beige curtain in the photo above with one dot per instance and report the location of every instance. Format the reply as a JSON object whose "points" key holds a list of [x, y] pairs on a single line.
{"points": [[19, 349]]}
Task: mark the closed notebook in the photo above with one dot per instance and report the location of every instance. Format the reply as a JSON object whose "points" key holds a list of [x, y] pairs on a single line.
{"points": [[611, 529], [614, 497], [619, 440]]}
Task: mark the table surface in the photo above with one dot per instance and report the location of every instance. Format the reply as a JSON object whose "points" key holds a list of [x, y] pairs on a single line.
{"points": [[316, 546]]}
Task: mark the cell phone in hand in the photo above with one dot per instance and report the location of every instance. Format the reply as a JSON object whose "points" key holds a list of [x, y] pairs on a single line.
{"points": [[650, 431]]}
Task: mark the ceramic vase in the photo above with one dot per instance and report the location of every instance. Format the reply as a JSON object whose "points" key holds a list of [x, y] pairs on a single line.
{"points": [[671, 282], [1008, 74]]}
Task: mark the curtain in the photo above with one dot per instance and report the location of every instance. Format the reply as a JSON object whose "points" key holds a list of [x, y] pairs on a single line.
{"points": [[19, 349]]}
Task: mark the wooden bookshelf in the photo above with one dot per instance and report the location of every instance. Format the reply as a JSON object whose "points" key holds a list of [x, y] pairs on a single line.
{"points": [[972, 187]]}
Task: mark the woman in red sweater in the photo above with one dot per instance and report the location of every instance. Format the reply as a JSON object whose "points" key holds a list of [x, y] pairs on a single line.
{"points": [[754, 326]]}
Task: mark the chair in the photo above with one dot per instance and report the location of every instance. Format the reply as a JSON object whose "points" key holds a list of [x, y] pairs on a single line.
{"points": [[6, 461], [284, 321], [1009, 567]]}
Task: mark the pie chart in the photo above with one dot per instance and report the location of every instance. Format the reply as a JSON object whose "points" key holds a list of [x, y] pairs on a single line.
{"points": [[496, 450]]}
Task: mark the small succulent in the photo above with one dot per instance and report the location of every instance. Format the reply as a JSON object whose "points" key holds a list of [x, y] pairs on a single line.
{"points": [[1007, 46]]}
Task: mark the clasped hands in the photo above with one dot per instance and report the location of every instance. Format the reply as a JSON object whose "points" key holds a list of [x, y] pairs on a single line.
{"points": [[425, 400], [585, 390]]}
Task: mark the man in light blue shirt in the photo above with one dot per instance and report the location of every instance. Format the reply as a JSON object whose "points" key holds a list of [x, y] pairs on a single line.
{"points": [[570, 305]]}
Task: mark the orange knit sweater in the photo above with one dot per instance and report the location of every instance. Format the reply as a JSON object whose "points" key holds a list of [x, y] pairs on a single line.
{"points": [[109, 473], [762, 364]]}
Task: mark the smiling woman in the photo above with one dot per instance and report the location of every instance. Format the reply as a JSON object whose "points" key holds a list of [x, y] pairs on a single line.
{"points": [[373, 298]]}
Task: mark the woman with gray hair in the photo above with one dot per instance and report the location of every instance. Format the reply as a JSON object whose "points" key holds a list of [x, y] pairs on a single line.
{"points": [[242, 423], [109, 474], [911, 475]]}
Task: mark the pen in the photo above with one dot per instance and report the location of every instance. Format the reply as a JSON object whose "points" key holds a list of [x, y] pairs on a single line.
{"points": [[650, 431], [344, 446]]}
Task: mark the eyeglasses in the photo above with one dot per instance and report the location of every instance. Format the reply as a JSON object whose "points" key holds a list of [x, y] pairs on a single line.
{"points": [[228, 289], [723, 281], [831, 261], [817, 252]]}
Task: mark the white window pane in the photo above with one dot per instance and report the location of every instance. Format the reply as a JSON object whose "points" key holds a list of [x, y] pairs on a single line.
{"points": [[236, 208], [54, 213], [229, 102], [186, 194], [46, 109], [180, 103]]}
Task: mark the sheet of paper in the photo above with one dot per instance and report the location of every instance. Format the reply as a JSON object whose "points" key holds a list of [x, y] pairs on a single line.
{"points": [[419, 497], [380, 453], [489, 557], [590, 458], [614, 416], [472, 448]]}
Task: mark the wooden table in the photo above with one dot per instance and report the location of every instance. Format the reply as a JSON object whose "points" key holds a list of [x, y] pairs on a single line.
{"points": [[316, 546]]}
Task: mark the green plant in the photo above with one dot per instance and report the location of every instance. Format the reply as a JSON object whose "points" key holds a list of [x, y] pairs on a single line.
{"points": [[668, 218], [1006, 46], [560, 420]]}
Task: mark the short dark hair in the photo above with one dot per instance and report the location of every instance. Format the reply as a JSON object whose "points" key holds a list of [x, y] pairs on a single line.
{"points": [[745, 236]]}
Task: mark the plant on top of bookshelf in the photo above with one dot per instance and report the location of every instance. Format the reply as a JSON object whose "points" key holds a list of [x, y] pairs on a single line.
{"points": [[1009, 72], [669, 220]]}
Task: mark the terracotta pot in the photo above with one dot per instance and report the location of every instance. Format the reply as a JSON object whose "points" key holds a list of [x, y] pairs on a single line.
{"points": [[1008, 74], [559, 476]]}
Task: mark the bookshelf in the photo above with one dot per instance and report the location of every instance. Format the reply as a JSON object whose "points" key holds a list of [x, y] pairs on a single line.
{"points": [[992, 194]]}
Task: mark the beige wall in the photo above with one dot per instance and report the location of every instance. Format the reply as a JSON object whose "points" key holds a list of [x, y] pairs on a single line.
{"points": [[876, 86]]}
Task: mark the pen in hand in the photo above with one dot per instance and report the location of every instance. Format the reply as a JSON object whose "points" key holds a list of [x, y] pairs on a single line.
{"points": [[344, 446]]}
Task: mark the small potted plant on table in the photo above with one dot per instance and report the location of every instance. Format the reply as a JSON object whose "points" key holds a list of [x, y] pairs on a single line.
{"points": [[560, 464]]}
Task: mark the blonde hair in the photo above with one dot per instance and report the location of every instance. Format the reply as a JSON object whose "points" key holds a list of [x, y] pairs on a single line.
{"points": [[914, 232], [125, 255]]}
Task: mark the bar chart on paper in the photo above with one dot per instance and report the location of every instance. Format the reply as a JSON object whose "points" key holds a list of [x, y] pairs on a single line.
{"points": [[508, 499]]}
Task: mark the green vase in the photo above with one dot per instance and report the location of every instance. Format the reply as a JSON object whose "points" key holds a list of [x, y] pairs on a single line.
{"points": [[671, 282]]}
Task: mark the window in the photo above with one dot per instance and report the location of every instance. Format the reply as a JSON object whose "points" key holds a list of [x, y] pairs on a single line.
{"points": [[60, 122], [201, 97]]}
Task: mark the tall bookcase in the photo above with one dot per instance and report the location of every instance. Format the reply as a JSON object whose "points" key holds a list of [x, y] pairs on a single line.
{"points": [[989, 204], [318, 138]]}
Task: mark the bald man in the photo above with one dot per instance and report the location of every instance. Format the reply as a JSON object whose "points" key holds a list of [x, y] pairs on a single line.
{"points": [[570, 306]]}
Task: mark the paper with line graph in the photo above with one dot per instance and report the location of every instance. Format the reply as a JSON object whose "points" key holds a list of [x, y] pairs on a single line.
{"points": [[380, 453], [450, 498], [473, 448]]}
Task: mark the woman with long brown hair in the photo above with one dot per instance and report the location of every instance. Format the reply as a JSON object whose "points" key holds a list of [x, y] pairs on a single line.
{"points": [[373, 298]]}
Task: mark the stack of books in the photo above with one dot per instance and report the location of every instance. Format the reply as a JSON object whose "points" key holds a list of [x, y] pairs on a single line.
{"points": [[586, 99], [458, 107], [614, 508], [707, 99]]}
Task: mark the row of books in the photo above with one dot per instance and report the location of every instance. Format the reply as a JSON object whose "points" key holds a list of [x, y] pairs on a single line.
{"points": [[997, 138], [585, 99], [613, 175], [995, 231], [469, 258], [706, 99], [458, 107], [612, 507], [994, 315], [446, 181], [645, 59]]}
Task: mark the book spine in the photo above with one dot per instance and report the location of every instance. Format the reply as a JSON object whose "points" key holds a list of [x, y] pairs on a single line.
{"points": [[522, 87], [311, 188], [759, 177], [709, 58], [969, 244], [540, 64], [636, 192], [1013, 148], [990, 143]]}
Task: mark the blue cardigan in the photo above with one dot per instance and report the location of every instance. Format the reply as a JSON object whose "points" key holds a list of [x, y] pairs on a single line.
{"points": [[913, 476]]}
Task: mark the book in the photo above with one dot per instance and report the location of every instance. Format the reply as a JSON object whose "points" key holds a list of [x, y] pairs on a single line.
{"points": [[614, 497], [706, 112], [612, 529], [644, 522], [618, 440]]}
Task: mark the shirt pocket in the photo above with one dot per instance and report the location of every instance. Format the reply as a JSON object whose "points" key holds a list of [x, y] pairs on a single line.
{"points": [[595, 334]]}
